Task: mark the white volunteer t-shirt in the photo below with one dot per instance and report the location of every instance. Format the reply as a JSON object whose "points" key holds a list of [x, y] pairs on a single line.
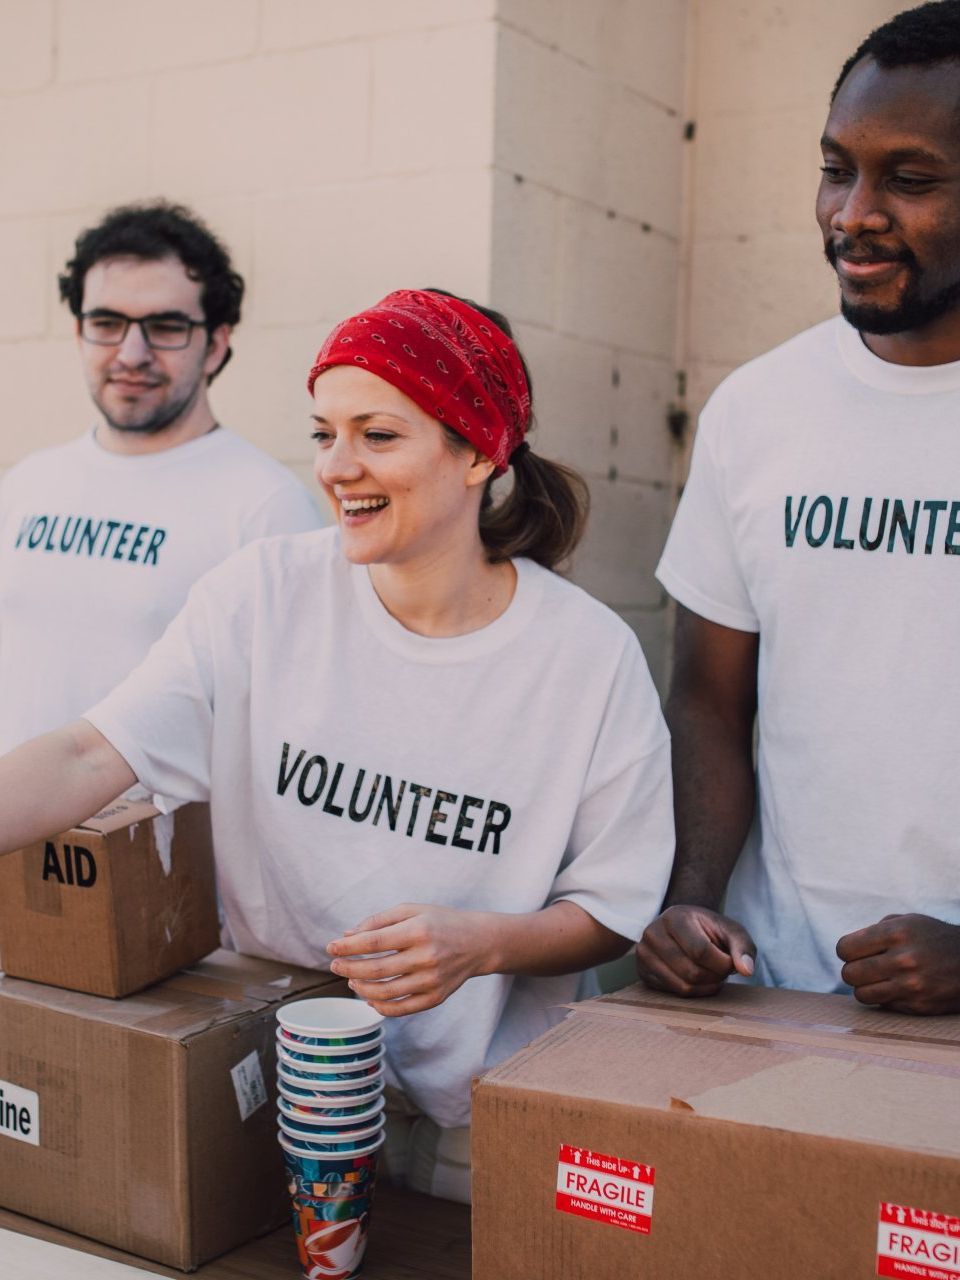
{"points": [[823, 510], [98, 551], [353, 765]]}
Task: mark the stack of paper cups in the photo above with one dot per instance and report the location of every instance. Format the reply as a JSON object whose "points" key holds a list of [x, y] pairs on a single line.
{"points": [[330, 1081]]}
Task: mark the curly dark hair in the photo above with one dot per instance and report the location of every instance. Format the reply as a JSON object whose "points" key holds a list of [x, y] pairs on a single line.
{"points": [[917, 37], [153, 230]]}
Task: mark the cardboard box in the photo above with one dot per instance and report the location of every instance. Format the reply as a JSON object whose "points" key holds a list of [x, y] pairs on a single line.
{"points": [[149, 1123], [760, 1135], [120, 902]]}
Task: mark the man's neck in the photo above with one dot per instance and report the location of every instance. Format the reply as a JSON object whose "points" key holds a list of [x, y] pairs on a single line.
{"points": [[938, 343], [132, 443]]}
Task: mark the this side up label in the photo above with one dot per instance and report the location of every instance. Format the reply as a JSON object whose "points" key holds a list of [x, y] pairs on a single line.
{"points": [[606, 1188], [917, 1243]]}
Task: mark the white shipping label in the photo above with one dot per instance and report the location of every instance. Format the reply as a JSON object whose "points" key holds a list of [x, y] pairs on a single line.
{"points": [[248, 1085], [19, 1113]]}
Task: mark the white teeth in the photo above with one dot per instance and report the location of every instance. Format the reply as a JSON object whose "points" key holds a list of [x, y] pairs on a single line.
{"points": [[363, 504]]}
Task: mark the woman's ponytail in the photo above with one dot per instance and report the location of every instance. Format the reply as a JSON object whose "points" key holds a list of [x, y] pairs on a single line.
{"points": [[542, 517], [544, 514]]}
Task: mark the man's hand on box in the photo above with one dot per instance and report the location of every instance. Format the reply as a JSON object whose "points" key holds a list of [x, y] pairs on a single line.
{"points": [[908, 963], [415, 956], [691, 951]]}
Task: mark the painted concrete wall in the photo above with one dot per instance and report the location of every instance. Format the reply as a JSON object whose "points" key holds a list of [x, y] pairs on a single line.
{"points": [[530, 153], [340, 150], [587, 222], [762, 74]]}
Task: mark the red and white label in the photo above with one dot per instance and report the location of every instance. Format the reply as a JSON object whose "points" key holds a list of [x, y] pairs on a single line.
{"points": [[605, 1188], [917, 1243]]}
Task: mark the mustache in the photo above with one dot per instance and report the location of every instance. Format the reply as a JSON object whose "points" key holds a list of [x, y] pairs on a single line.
{"points": [[858, 249]]}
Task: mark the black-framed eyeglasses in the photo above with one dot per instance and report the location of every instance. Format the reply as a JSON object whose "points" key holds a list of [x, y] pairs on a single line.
{"points": [[161, 332]]}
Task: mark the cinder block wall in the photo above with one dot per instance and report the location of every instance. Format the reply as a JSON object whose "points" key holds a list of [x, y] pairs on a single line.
{"points": [[530, 153], [762, 77], [587, 220], [341, 150]]}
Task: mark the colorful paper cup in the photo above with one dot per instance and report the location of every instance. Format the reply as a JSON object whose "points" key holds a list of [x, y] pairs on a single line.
{"points": [[331, 1198], [302, 1066], [338, 1058], [329, 1121], [331, 1052], [332, 1018], [316, 1146], [329, 1045], [311, 1085], [338, 1117], [298, 1148], [357, 1135], [334, 1105], [316, 1097]]}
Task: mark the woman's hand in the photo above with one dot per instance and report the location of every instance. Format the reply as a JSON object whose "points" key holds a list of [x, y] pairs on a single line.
{"points": [[417, 955]]}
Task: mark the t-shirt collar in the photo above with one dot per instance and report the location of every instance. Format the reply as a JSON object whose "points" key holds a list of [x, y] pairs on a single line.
{"points": [[474, 644], [907, 379]]}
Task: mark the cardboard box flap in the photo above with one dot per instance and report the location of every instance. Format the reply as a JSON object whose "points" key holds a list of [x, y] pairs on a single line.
{"points": [[225, 973], [772, 1030], [174, 1015], [840, 1091], [806, 1011], [121, 813], [187, 1004]]}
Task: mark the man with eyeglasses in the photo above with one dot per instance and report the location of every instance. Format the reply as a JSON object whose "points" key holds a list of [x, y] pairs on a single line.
{"points": [[102, 538]]}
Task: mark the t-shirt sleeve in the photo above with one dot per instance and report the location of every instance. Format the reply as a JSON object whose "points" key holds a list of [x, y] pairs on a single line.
{"points": [[700, 566], [621, 846], [289, 509], [160, 718]]}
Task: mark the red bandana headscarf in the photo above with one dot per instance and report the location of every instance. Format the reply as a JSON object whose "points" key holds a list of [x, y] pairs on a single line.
{"points": [[448, 358]]}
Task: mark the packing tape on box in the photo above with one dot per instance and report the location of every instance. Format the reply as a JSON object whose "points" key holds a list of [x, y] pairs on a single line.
{"points": [[163, 839], [936, 1053]]}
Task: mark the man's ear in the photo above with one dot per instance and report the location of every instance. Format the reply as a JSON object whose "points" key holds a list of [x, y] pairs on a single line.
{"points": [[218, 350], [481, 469]]}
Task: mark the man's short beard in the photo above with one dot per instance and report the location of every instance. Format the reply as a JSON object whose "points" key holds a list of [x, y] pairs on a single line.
{"points": [[910, 314], [158, 421]]}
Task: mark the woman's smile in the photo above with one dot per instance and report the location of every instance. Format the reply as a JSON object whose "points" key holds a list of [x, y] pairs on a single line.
{"points": [[378, 452], [357, 509]]}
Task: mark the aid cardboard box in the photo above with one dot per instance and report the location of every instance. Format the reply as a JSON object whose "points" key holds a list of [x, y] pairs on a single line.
{"points": [[761, 1135], [118, 903], [149, 1123]]}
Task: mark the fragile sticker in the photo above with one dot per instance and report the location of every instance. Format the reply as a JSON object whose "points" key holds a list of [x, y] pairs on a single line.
{"points": [[605, 1188], [917, 1243], [248, 1085]]}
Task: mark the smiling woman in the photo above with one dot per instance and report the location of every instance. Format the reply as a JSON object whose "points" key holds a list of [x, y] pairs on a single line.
{"points": [[423, 401], [434, 765]]}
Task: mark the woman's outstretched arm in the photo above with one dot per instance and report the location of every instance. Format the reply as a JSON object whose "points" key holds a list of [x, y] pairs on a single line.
{"points": [[51, 783]]}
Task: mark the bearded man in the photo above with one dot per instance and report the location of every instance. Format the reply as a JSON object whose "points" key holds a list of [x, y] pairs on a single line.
{"points": [[102, 538], [814, 559]]}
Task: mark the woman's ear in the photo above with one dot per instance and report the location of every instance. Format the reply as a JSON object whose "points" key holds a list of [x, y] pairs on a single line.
{"points": [[480, 470]]}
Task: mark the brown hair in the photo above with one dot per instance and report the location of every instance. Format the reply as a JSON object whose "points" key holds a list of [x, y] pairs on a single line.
{"points": [[544, 514]]}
